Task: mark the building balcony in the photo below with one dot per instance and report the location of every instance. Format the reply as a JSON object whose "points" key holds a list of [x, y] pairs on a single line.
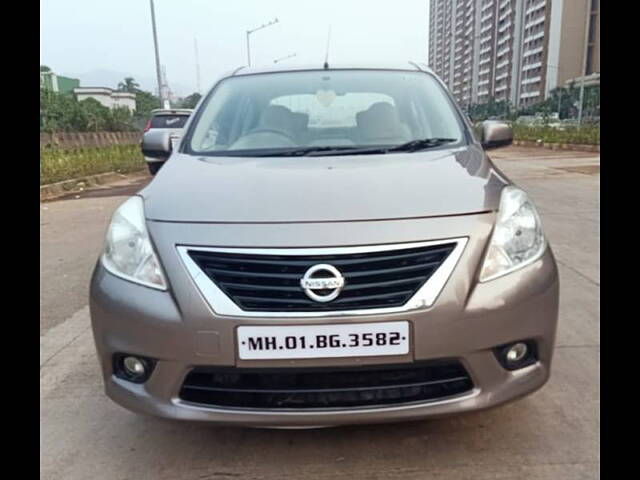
{"points": [[504, 27], [534, 37], [503, 39], [503, 51], [486, 28], [535, 7], [535, 22], [529, 81], [525, 95], [504, 14], [533, 51], [531, 66]]}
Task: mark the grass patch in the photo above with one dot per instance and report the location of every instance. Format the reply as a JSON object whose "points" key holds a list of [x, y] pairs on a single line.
{"points": [[57, 165], [569, 135]]}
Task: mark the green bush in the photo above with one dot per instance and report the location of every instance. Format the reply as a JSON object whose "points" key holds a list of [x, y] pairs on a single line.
{"points": [[57, 165], [63, 113], [587, 135]]}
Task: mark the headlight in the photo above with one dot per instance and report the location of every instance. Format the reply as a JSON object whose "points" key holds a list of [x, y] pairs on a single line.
{"points": [[128, 252], [517, 238]]}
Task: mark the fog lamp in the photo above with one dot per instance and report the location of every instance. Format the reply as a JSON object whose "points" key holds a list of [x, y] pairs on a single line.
{"points": [[132, 367], [516, 355], [517, 352]]}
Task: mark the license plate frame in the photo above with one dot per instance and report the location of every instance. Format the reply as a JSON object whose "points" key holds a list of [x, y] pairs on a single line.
{"points": [[338, 340]]}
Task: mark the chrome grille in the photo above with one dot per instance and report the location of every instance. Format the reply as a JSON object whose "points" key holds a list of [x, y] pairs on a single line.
{"points": [[271, 283]]}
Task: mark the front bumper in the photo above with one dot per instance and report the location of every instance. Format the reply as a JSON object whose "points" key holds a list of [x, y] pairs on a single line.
{"points": [[466, 322]]}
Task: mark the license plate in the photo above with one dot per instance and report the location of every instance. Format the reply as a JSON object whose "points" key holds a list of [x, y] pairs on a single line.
{"points": [[323, 341]]}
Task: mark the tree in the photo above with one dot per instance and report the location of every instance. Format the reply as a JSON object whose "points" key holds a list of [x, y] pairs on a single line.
{"points": [[129, 85], [44, 68], [96, 114], [145, 102], [120, 119], [61, 113], [191, 101]]}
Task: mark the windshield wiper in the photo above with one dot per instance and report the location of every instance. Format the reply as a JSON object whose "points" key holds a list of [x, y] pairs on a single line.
{"points": [[412, 146], [302, 151], [421, 144]]}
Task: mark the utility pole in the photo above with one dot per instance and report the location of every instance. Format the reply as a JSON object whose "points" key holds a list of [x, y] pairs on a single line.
{"points": [[249, 32], [195, 41], [155, 43], [166, 92], [584, 60]]}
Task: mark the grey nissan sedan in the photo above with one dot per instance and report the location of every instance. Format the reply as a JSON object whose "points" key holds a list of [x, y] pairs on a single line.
{"points": [[325, 246]]}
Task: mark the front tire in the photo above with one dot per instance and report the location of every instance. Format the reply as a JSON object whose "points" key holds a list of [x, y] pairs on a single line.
{"points": [[154, 167]]}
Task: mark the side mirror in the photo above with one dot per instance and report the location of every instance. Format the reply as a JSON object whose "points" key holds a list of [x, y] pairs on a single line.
{"points": [[495, 134], [157, 144]]}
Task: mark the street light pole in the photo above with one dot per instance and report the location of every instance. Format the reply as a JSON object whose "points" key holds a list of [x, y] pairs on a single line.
{"points": [[155, 43], [249, 32], [248, 50], [284, 58], [584, 60]]}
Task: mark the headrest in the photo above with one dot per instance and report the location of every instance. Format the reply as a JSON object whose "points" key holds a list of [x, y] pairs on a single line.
{"points": [[277, 117], [379, 121]]}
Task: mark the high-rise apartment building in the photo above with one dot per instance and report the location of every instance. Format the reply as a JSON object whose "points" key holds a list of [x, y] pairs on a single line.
{"points": [[516, 50]]}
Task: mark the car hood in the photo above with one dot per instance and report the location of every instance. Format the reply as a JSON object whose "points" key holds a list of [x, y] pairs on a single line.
{"points": [[324, 188]]}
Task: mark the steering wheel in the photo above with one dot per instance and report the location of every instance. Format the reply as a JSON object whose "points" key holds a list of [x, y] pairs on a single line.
{"points": [[272, 130]]}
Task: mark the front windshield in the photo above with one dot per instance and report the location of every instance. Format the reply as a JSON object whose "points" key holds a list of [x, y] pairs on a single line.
{"points": [[324, 108]]}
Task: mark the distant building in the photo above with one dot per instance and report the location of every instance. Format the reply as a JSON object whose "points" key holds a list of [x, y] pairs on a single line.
{"points": [[58, 83], [516, 50], [107, 96]]}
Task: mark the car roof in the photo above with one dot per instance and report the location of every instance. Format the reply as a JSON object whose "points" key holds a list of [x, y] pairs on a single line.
{"points": [[173, 111], [407, 66]]}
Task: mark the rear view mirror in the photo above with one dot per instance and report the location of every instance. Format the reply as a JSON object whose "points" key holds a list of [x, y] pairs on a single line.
{"points": [[495, 134], [157, 144]]}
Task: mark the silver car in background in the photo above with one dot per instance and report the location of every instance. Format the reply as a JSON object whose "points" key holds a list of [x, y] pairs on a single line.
{"points": [[325, 246], [171, 121]]}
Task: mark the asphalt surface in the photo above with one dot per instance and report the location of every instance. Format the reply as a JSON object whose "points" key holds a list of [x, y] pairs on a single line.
{"points": [[552, 434]]}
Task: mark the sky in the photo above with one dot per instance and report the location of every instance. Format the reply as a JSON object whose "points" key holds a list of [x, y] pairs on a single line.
{"points": [[98, 40]]}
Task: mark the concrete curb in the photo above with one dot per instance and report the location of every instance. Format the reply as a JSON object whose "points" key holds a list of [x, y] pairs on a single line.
{"points": [[54, 190], [558, 146]]}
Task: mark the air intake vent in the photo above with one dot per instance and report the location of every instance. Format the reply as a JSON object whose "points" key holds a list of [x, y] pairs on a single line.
{"points": [[317, 388]]}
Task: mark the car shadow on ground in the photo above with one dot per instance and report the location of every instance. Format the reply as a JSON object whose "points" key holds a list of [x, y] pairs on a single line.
{"points": [[499, 431]]}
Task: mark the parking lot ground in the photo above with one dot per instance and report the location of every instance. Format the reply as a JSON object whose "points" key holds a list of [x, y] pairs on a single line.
{"points": [[552, 434]]}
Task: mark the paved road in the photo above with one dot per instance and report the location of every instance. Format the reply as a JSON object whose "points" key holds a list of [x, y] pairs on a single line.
{"points": [[552, 434], [71, 238]]}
